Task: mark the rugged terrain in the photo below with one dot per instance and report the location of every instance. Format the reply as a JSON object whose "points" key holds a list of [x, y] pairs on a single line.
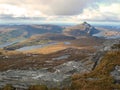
{"points": [[57, 57], [83, 29]]}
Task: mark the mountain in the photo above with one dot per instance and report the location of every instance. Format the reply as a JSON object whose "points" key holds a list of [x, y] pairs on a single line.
{"points": [[83, 29], [16, 33]]}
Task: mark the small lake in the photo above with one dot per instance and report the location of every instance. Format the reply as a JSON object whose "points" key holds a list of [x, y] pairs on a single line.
{"points": [[39, 46], [7, 44], [67, 43], [31, 47], [35, 46], [61, 57]]}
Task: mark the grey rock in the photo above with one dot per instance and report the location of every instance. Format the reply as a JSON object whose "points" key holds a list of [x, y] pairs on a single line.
{"points": [[59, 78], [116, 74]]}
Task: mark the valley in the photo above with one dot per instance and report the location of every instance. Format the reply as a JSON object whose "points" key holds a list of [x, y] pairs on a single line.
{"points": [[58, 57], [59, 44]]}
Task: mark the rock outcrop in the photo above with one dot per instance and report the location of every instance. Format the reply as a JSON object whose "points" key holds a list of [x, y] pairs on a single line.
{"points": [[116, 74], [59, 78]]}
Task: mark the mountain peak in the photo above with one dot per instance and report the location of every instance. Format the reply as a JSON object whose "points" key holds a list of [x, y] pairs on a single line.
{"points": [[86, 24], [82, 30]]}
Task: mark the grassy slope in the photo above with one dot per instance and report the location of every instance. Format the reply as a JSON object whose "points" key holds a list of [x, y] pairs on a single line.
{"points": [[58, 47], [48, 49], [100, 75]]}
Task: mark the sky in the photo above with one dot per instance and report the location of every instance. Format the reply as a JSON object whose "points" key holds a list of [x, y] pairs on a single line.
{"points": [[74, 11]]}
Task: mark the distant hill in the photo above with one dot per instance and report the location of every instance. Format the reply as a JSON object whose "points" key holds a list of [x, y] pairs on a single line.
{"points": [[107, 33], [17, 32], [83, 29]]}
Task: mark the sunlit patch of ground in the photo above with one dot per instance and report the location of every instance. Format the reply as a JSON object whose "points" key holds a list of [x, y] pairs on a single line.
{"points": [[49, 49], [54, 48]]}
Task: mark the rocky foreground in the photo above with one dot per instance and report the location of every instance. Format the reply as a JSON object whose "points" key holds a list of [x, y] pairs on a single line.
{"points": [[59, 78]]}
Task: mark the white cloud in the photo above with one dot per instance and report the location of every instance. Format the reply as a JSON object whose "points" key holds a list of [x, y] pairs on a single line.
{"points": [[62, 10], [12, 10], [49, 7], [16, 11], [102, 13]]}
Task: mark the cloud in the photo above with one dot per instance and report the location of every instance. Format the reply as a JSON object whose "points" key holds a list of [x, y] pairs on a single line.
{"points": [[102, 13], [49, 7], [61, 10], [71, 7]]}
